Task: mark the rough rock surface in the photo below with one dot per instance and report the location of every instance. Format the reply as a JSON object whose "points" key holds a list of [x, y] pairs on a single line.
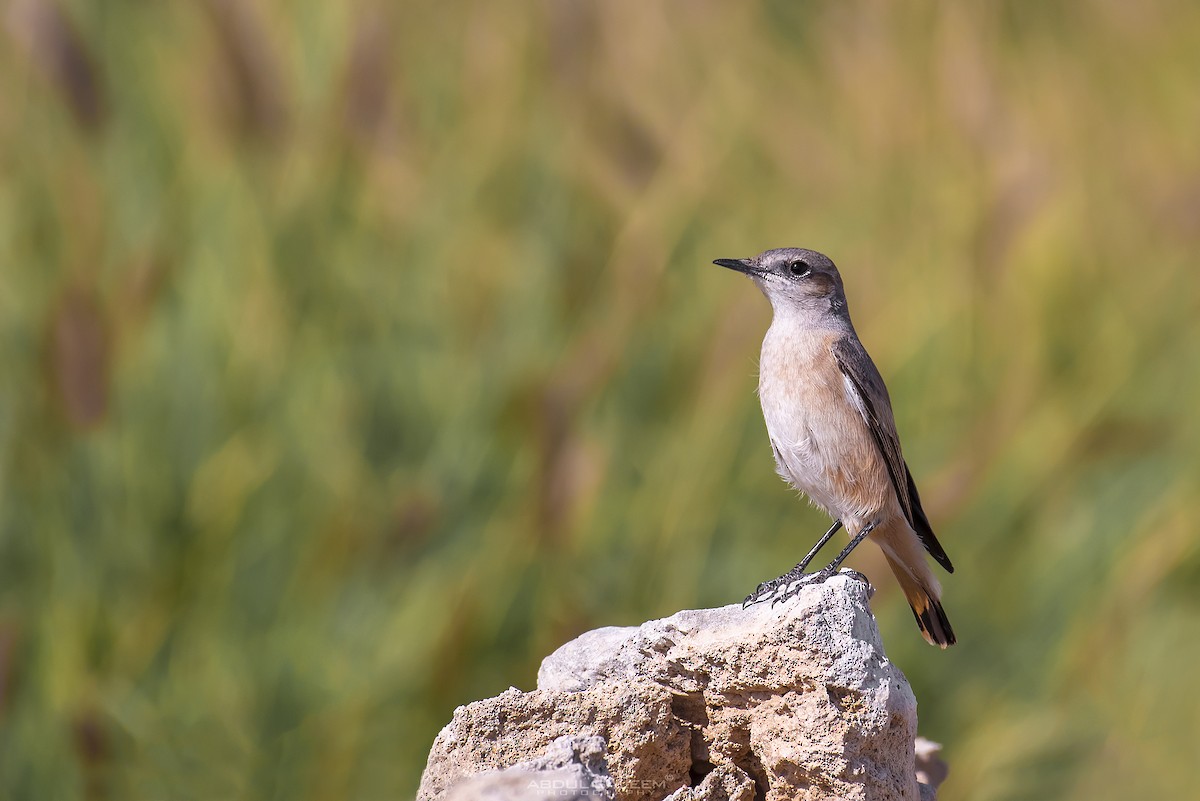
{"points": [[723, 783], [571, 768], [931, 768], [784, 702], [648, 746]]}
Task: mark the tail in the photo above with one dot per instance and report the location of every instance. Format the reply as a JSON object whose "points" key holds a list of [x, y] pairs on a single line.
{"points": [[924, 596]]}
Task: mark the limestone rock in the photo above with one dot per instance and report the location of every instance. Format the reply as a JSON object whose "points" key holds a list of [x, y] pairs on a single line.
{"points": [[931, 768], [777, 702], [571, 768], [725, 783], [648, 746]]}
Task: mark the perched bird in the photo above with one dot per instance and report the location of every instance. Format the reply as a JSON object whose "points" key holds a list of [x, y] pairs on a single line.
{"points": [[831, 427]]}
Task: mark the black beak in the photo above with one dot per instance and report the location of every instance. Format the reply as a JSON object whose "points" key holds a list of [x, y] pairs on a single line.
{"points": [[741, 265]]}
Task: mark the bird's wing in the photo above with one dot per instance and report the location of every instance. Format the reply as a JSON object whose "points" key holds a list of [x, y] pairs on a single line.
{"points": [[870, 397]]}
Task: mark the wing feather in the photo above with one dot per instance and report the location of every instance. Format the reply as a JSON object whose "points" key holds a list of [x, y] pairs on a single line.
{"points": [[871, 399]]}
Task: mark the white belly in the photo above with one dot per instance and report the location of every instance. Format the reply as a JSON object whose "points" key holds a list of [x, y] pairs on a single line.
{"points": [[802, 454]]}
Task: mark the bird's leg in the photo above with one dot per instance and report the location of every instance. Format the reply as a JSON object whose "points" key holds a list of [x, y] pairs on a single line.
{"points": [[791, 582], [767, 587], [833, 566], [800, 568]]}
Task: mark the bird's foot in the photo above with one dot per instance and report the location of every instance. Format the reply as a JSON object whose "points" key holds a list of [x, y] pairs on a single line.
{"points": [[788, 586], [783, 588]]}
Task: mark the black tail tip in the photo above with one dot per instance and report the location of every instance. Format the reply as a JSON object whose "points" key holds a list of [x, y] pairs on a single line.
{"points": [[935, 626]]}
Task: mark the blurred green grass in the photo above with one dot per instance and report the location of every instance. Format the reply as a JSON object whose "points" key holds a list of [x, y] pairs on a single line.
{"points": [[353, 357]]}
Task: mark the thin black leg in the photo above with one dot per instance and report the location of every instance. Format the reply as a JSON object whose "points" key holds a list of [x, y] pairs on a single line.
{"points": [[796, 578], [800, 568], [768, 587], [832, 567]]}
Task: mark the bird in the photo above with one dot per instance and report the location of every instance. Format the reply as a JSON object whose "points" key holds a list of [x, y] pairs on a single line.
{"points": [[833, 434]]}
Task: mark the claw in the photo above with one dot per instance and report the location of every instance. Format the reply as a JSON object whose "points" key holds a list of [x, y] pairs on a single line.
{"points": [[786, 587], [756, 596]]}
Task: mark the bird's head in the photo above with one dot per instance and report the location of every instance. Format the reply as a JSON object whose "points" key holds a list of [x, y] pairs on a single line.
{"points": [[795, 280]]}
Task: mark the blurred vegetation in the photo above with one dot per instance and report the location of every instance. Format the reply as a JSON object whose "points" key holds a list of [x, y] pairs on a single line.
{"points": [[356, 355]]}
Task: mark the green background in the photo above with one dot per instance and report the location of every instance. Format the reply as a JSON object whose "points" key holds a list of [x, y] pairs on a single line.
{"points": [[353, 356]]}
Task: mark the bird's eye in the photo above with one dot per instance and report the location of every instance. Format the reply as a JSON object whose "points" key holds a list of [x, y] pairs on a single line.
{"points": [[799, 268]]}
